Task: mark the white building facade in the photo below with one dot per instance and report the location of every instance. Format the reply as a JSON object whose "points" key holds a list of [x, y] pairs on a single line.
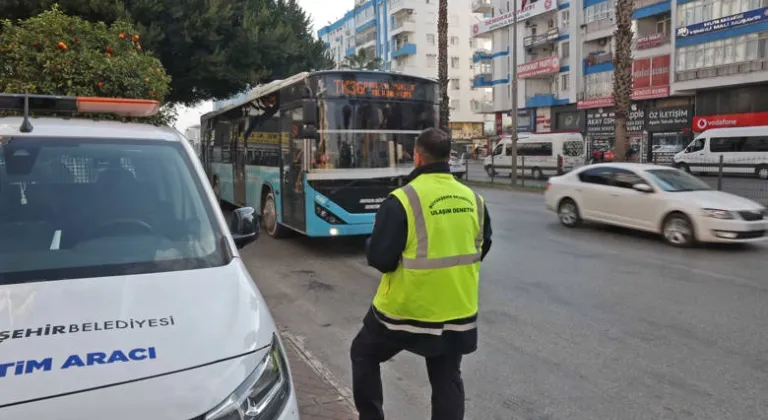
{"points": [[403, 34]]}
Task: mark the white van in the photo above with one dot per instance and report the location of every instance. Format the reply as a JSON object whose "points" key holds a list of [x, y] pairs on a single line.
{"points": [[744, 150], [122, 291], [538, 155]]}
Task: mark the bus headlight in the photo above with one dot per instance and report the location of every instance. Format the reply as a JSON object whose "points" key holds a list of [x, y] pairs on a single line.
{"points": [[264, 393], [326, 215]]}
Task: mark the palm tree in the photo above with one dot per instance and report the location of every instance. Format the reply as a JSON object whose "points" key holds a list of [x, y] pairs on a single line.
{"points": [[622, 74], [362, 61], [442, 61]]}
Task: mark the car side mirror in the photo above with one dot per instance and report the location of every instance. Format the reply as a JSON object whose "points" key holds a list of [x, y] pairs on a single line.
{"points": [[244, 226], [644, 188]]}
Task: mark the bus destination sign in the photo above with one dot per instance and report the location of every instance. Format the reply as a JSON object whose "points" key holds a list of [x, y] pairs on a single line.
{"points": [[374, 89]]}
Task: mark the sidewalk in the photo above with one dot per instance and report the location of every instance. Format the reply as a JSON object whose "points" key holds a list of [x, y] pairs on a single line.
{"points": [[318, 399]]}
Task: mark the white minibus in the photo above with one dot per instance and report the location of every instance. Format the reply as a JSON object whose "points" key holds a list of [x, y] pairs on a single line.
{"points": [[744, 150], [538, 155]]}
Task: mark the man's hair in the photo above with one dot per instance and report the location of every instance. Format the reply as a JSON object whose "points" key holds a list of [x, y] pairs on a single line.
{"points": [[434, 145]]}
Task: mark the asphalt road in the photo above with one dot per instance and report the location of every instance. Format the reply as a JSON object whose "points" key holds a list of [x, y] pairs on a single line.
{"points": [[749, 187], [592, 323]]}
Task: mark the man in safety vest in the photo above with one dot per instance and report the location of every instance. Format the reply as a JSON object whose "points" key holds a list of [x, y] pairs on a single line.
{"points": [[428, 240]]}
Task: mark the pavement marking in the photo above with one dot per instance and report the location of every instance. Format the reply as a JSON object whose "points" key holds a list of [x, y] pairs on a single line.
{"points": [[298, 344]]}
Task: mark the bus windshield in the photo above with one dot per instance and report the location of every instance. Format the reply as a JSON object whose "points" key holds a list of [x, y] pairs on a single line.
{"points": [[371, 120]]}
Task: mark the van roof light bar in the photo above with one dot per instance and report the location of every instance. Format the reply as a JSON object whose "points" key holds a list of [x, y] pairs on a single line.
{"points": [[120, 107]]}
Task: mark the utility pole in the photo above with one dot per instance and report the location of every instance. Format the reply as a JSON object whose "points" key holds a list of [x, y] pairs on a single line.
{"points": [[513, 82]]}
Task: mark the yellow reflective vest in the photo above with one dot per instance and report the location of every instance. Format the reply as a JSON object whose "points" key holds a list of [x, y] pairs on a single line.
{"points": [[438, 278]]}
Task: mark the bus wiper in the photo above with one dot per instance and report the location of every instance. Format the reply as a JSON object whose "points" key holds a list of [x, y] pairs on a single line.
{"points": [[345, 186]]}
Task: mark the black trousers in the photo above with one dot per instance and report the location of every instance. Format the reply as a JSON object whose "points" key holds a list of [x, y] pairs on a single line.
{"points": [[370, 349]]}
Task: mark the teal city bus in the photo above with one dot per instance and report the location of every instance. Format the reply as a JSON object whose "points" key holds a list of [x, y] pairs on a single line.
{"points": [[318, 152]]}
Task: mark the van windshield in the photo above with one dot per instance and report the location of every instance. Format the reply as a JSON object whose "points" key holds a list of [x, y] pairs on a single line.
{"points": [[73, 208]]}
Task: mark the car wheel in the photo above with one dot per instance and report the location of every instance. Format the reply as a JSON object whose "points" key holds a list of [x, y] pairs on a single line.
{"points": [[269, 218], [762, 172], [568, 213], [537, 174], [678, 230], [490, 171]]}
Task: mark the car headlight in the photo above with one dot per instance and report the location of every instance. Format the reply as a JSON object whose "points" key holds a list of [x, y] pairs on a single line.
{"points": [[717, 213], [263, 394]]}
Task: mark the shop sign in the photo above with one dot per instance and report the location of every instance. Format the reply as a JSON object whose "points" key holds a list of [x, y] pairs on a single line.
{"points": [[752, 119], [641, 73], [650, 41], [542, 66], [569, 121], [526, 120], [669, 119], [728, 22], [499, 123], [660, 70], [650, 92], [595, 103], [544, 120], [603, 121], [529, 10]]}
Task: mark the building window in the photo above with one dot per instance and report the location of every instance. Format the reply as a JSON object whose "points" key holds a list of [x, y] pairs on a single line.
{"points": [[455, 104], [454, 62], [565, 49], [454, 40], [599, 11], [598, 85], [431, 60], [431, 39], [455, 84], [565, 81], [705, 10], [565, 16], [722, 52]]}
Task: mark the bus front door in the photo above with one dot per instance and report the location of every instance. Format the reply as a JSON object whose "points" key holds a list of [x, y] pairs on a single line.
{"points": [[293, 192]]}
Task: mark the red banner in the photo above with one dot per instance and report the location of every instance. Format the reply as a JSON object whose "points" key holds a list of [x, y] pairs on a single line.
{"points": [[539, 67], [499, 123], [660, 71], [595, 103], [650, 92], [729, 120], [641, 73], [650, 41]]}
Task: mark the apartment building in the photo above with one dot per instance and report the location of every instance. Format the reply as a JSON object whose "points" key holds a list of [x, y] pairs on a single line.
{"points": [[403, 34], [698, 64]]}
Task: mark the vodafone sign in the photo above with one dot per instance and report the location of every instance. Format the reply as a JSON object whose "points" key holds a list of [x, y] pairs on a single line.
{"points": [[729, 120], [528, 11], [540, 67]]}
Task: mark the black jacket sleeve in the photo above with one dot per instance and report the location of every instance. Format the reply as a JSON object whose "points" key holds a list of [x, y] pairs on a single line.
{"points": [[390, 233], [487, 232]]}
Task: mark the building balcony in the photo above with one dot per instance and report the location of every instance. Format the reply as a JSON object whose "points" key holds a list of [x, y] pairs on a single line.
{"points": [[481, 6], [366, 40], [597, 62], [365, 25], [542, 100], [482, 106], [550, 37], [598, 29], [400, 7], [404, 49], [648, 8], [403, 26], [485, 55]]}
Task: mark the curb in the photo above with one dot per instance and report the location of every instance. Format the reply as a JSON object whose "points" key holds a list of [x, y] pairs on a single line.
{"points": [[297, 343], [500, 186]]}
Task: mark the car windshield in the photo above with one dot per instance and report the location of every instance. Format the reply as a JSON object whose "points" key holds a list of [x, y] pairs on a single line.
{"points": [[673, 180], [73, 208]]}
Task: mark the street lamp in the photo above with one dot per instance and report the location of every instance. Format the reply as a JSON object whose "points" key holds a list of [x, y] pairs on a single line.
{"points": [[513, 84]]}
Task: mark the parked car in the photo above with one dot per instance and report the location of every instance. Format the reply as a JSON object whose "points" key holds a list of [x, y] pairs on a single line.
{"points": [[657, 199]]}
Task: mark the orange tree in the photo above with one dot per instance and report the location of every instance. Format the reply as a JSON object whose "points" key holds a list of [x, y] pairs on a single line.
{"points": [[56, 54]]}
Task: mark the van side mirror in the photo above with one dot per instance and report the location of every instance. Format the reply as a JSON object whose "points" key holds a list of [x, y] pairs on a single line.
{"points": [[244, 226], [309, 110]]}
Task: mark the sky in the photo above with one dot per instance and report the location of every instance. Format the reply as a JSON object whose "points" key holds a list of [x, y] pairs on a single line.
{"points": [[323, 12]]}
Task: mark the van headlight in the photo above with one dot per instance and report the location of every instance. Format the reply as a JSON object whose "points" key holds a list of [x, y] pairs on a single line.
{"points": [[263, 394]]}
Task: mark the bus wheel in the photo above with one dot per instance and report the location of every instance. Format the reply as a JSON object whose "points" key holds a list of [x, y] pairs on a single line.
{"points": [[269, 218], [490, 171], [762, 172], [537, 174]]}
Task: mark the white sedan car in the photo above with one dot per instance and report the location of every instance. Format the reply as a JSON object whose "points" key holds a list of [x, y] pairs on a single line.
{"points": [[657, 199]]}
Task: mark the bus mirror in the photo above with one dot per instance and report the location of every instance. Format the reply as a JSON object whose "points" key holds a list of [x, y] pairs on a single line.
{"points": [[308, 131], [310, 111]]}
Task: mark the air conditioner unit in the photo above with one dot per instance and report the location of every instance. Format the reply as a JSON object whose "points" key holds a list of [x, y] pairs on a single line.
{"points": [[527, 23]]}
